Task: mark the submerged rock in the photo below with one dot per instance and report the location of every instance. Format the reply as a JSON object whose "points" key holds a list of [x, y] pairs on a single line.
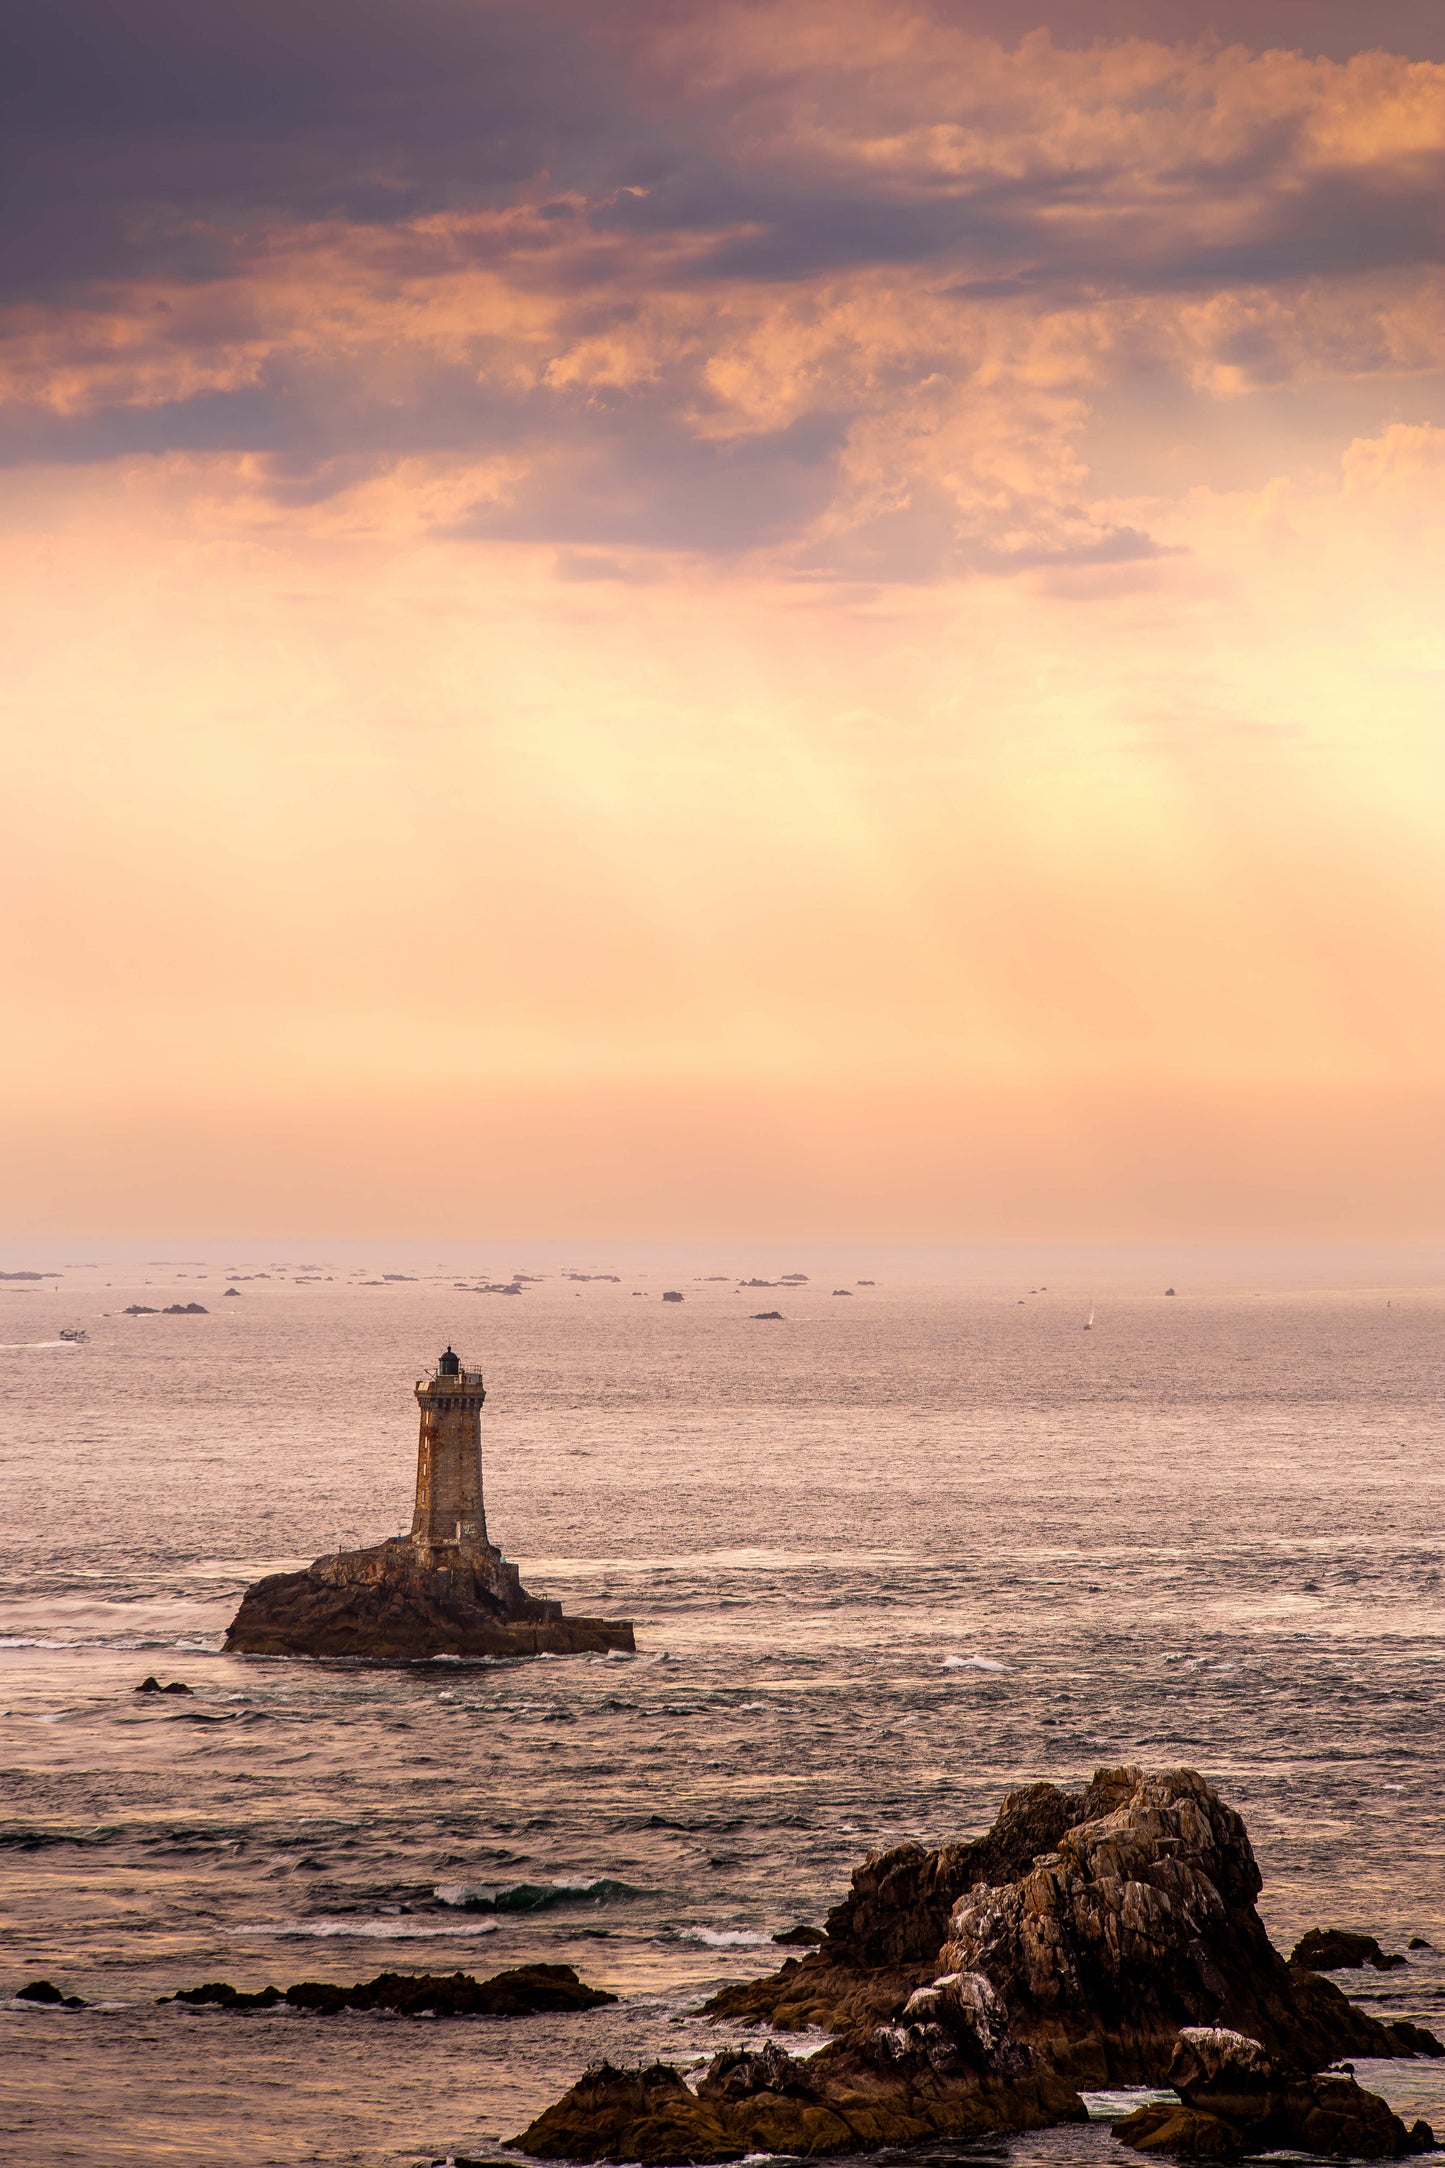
{"points": [[522, 1992], [974, 1987], [46, 1992], [1337, 1949]]}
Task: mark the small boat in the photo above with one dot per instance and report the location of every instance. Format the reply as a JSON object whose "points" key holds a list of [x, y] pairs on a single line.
{"points": [[1090, 1326], [75, 1334]]}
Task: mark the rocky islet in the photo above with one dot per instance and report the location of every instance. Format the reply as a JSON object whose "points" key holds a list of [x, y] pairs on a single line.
{"points": [[978, 1987]]}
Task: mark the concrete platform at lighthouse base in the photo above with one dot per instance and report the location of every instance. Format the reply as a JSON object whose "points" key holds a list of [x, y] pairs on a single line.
{"points": [[399, 1602]]}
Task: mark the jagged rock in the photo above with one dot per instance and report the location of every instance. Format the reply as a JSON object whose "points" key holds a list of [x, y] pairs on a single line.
{"points": [[522, 1992], [771, 2103], [1102, 1920], [223, 1996], [1237, 2099], [152, 1685], [185, 1309], [1100, 1937], [390, 1603], [803, 1936], [1337, 1949], [1184, 2133]]}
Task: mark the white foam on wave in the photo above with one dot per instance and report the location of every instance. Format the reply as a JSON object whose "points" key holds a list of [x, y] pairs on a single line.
{"points": [[1111, 2106], [724, 1938], [23, 1347], [370, 1930], [974, 1663]]}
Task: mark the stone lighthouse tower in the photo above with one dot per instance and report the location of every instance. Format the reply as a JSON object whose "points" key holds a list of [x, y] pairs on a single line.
{"points": [[449, 1509], [443, 1590]]}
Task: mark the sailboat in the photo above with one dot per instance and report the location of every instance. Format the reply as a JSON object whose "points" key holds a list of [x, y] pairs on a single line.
{"points": [[1090, 1326]]}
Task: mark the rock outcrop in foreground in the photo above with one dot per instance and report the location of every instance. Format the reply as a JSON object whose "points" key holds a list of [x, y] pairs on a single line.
{"points": [[394, 1603], [1236, 2100], [978, 1986]]}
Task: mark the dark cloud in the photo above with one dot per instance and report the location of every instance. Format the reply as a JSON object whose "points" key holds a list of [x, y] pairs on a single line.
{"points": [[643, 478], [1329, 29], [136, 131], [187, 139]]}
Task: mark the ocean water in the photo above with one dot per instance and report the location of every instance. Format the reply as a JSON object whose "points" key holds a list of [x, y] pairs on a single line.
{"points": [[887, 1558]]}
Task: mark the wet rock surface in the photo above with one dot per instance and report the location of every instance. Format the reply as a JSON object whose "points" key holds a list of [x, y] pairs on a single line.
{"points": [[391, 1604], [1338, 1949], [524, 1991], [46, 1992], [770, 2102], [1097, 1938], [1238, 2100], [1103, 1921]]}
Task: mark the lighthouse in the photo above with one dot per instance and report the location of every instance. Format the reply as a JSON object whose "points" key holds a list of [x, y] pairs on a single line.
{"points": [[449, 1509], [443, 1590]]}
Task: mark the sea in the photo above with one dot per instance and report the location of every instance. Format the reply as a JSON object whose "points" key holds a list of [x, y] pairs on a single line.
{"points": [[916, 1540]]}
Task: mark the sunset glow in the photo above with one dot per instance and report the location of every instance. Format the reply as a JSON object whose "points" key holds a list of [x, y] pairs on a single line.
{"points": [[812, 619]]}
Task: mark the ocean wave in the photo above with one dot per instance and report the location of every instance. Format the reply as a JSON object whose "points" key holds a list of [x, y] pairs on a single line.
{"points": [[127, 1645], [974, 1663], [370, 1930], [537, 1896], [724, 1938]]}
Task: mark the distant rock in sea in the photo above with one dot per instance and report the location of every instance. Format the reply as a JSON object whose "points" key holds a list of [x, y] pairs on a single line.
{"points": [[230, 1294], [139, 1309], [185, 1309], [46, 1992], [671, 1294], [525, 1991], [1338, 1949], [443, 1590], [765, 1317], [1101, 1938], [842, 1291]]}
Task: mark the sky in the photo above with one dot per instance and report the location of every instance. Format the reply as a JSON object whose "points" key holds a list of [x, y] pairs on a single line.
{"points": [[724, 620]]}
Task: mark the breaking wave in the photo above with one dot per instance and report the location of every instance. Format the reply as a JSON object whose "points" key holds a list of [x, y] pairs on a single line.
{"points": [[537, 1896], [370, 1930]]}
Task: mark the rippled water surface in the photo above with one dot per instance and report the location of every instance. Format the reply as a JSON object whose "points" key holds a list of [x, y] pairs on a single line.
{"points": [[887, 1557]]}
